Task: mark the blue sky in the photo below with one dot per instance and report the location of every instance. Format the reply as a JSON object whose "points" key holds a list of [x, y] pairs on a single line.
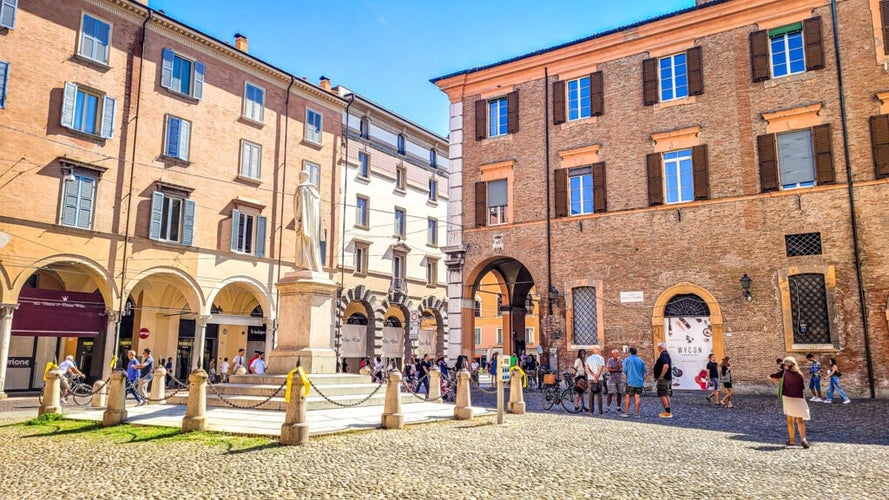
{"points": [[388, 50]]}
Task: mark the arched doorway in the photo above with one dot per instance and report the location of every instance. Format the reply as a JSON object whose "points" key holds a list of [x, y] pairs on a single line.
{"points": [[239, 317]]}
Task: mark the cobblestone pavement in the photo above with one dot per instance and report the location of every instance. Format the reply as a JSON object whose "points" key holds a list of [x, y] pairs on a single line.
{"points": [[704, 452]]}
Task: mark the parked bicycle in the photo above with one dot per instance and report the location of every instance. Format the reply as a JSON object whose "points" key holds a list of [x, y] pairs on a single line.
{"points": [[554, 392], [78, 389]]}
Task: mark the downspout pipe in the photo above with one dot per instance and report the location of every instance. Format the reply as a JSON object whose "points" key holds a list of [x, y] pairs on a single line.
{"points": [[549, 249], [281, 220], [126, 237], [853, 219], [339, 323]]}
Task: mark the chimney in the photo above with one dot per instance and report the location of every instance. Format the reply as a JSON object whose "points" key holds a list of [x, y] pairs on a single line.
{"points": [[325, 83], [241, 42]]}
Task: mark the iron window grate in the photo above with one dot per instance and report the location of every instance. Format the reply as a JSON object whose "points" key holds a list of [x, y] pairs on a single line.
{"points": [[686, 305], [803, 244], [586, 328], [808, 303]]}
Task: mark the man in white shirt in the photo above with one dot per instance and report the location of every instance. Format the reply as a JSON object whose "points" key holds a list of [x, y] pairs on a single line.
{"points": [[238, 362], [258, 364], [595, 365], [223, 369], [64, 368]]}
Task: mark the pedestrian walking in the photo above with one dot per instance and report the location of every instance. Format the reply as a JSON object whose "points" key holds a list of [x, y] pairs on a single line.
{"points": [[169, 368], [814, 378], [224, 370], [663, 372], [726, 378], [212, 375], [713, 375], [614, 380], [634, 371], [239, 363], [133, 377], [791, 390], [473, 372], [834, 374], [258, 364], [423, 374], [595, 367], [580, 379]]}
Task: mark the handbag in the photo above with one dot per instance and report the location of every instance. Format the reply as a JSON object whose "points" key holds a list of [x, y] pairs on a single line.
{"points": [[581, 385]]}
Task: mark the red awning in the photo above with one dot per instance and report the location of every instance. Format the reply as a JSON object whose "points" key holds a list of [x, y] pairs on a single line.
{"points": [[57, 313]]}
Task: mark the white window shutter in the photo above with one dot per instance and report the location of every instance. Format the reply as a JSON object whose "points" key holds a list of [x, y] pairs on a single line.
{"points": [[167, 69], [255, 159], [245, 159], [236, 220], [260, 236], [188, 222], [68, 101], [157, 214], [4, 80], [87, 196], [184, 134], [7, 13], [69, 203], [109, 105], [198, 85]]}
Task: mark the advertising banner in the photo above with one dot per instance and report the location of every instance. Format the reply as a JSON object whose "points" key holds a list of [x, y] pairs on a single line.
{"points": [[689, 342], [59, 313], [393, 342], [426, 343], [353, 341]]}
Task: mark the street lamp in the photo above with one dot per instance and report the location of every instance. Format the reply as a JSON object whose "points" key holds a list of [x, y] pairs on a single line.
{"points": [[745, 287]]}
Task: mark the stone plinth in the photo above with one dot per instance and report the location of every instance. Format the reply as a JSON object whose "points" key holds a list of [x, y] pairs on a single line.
{"points": [[304, 324], [195, 418], [516, 396], [52, 402], [463, 409], [116, 411], [393, 418], [295, 430]]}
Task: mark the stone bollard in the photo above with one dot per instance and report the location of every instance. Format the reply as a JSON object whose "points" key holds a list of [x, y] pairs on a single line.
{"points": [[463, 410], [52, 402], [116, 411], [516, 397], [295, 431], [393, 418], [100, 395], [195, 418], [158, 387], [434, 385], [364, 370]]}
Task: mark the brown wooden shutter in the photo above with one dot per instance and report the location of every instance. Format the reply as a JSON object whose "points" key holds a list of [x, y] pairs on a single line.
{"points": [[558, 102], [560, 185], [695, 66], [649, 82], [823, 148], [768, 163], [879, 138], [600, 199], [512, 111], [812, 39], [655, 179], [759, 56], [597, 94], [701, 171], [884, 19], [481, 119], [481, 204]]}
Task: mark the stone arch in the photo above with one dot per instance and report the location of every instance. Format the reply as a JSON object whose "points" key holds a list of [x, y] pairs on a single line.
{"points": [[687, 288], [371, 308], [99, 274], [261, 292], [438, 309], [6, 288], [195, 296]]}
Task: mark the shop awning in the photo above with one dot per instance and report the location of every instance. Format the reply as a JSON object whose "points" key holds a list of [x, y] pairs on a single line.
{"points": [[57, 313]]}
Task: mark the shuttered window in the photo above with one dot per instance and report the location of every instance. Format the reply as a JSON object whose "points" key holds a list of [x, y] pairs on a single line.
{"points": [[7, 13], [178, 137], [313, 126], [363, 165], [88, 111], [559, 111], [94, 37], [655, 179], [497, 117], [800, 158], [4, 81], [181, 75], [254, 102], [498, 200], [248, 233], [673, 73], [678, 176], [362, 212], [172, 219], [251, 160], [481, 204], [786, 50], [884, 24], [673, 77], [580, 190], [879, 137], [795, 159], [78, 201], [579, 98], [580, 182]]}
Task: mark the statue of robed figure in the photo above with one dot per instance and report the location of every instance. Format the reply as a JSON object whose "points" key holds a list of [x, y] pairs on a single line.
{"points": [[307, 212]]}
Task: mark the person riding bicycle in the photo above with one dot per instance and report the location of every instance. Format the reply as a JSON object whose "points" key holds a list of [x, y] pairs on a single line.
{"points": [[65, 368]]}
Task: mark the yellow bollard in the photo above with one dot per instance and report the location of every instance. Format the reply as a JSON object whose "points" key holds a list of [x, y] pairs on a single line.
{"points": [[516, 397], [158, 387], [295, 431], [463, 410], [393, 418], [52, 387], [195, 418], [116, 411], [434, 385]]}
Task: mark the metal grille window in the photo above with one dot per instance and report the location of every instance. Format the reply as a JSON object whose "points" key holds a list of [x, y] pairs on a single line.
{"points": [[808, 305], [586, 328], [803, 244], [686, 305]]}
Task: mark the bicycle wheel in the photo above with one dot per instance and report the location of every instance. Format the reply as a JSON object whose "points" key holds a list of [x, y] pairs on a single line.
{"points": [[567, 399], [550, 396], [40, 396], [82, 393]]}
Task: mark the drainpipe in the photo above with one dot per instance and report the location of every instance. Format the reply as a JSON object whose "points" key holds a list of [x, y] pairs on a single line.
{"points": [[126, 236], [339, 324], [549, 250], [281, 220], [853, 219]]}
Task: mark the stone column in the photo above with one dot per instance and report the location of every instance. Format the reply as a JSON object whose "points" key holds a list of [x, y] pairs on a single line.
{"points": [[393, 418], [516, 396], [463, 410], [116, 412], [195, 418], [200, 338], [434, 385], [113, 318], [6, 311], [52, 402], [295, 430], [158, 387], [304, 319]]}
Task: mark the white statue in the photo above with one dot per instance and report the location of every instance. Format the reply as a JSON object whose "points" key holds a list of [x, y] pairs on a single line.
{"points": [[307, 212]]}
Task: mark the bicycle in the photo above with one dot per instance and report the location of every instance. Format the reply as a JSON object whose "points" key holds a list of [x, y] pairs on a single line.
{"points": [[80, 391]]}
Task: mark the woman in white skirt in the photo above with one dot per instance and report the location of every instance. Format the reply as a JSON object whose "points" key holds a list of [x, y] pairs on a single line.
{"points": [[793, 399]]}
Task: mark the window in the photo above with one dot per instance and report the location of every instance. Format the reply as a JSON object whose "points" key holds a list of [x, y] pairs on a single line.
{"points": [[178, 138], [313, 126], [363, 165], [786, 48], [673, 77], [7, 13], [579, 98], [248, 233], [796, 165], [88, 111], [4, 80], [499, 336], [398, 270], [580, 182], [314, 172], [802, 244], [172, 218], [433, 189], [431, 272], [254, 102], [678, 176], [497, 202], [585, 324], [364, 127], [795, 159], [361, 258], [477, 336], [94, 37], [181, 75], [477, 311], [432, 232], [497, 117], [323, 247], [499, 304], [808, 309], [400, 218], [400, 144], [251, 159], [362, 212], [433, 158], [78, 202], [400, 178], [529, 335]]}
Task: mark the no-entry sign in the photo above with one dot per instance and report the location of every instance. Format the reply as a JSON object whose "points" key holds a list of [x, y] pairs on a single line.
{"points": [[143, 333]]}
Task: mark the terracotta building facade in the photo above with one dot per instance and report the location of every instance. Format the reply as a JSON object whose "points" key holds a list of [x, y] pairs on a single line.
{"points": [[714, 179]]}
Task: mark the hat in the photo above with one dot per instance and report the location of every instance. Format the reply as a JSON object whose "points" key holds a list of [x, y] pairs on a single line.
{"points": [[662, 344], [69, 357]]}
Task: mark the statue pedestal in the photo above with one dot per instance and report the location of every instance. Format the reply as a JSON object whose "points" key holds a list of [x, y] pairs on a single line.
{"points": [[304, 324]]}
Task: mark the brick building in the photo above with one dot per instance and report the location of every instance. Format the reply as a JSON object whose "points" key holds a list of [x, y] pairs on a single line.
{"points": [[714, 178]]}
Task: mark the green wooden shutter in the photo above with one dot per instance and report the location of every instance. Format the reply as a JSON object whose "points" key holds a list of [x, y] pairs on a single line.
{"points": [[481, 204], [512, 111], [157, 214], [597, 94], [768, 162], [655, 179], [558, 102], [188, 222], [68, 101], [167, 69], [481, 119], [109, 105], [197, 88], [695, 67], [879, 137], [813, 43], [236, 220], [260, 236], [650, 91], [600, 199], [823, 149], [701, 172], [560, 191], [760, 66]]}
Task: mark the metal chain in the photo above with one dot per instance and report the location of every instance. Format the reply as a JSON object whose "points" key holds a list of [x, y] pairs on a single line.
{"points": [[345, 405], [148, 399], [424, 398], [245, 407]]}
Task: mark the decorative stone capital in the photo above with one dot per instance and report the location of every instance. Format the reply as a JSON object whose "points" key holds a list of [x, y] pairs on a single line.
{"points": [[6, 310]]}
